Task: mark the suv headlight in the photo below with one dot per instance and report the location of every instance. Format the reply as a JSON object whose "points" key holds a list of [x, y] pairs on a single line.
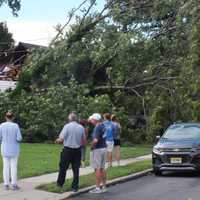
{"points": [[157, 150]]}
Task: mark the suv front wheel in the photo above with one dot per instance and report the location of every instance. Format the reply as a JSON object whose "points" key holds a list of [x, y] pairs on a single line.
{"points": [[157, 172]]}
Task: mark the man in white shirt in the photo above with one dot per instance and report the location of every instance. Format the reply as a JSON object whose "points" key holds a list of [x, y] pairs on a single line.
{"points": [[71, 137]]}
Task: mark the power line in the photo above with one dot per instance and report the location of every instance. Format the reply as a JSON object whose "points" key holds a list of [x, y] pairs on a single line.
{"points": [[29, 40], [38, 39]]}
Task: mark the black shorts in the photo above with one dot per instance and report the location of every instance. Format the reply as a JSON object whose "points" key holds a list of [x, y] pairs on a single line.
{"points": [[117, 142]]}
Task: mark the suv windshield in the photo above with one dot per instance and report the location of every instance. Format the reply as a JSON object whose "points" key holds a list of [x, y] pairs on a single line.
{"points": [[182, 132]]}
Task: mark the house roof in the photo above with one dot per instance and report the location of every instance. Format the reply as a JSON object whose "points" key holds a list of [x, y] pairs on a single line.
{"points": [[30, 46], [2, 66]]}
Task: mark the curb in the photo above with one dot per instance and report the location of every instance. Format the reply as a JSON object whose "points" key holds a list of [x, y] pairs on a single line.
{"points": [[110, 183]]}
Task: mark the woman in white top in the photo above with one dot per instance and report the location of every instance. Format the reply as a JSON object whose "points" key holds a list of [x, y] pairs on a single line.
{"points": [[10, 136]]}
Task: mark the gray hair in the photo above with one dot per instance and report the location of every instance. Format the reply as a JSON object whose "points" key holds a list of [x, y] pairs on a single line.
{"points": [[72, 117]]}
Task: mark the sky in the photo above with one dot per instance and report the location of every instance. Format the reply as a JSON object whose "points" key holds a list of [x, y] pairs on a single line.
{"points": [[36, 19]]}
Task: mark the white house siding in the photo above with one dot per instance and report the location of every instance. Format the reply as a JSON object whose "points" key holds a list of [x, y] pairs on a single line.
{"points": [[4, 85]]}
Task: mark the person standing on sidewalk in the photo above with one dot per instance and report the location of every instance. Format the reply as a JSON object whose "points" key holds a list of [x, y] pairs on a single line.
{"points": [[84, 143], [116, 136], [10, 136], [71, 136], [110, 129], [98, 153]]}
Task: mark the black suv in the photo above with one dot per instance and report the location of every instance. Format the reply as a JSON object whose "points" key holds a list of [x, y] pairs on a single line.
{"points": [[178, 149]]}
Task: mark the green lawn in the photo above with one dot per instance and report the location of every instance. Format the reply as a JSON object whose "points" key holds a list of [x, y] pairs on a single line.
{"points": [[37, 159], [88, 180]]}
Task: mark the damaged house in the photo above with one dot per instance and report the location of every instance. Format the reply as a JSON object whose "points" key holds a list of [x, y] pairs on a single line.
{"points": [[12, 60]]}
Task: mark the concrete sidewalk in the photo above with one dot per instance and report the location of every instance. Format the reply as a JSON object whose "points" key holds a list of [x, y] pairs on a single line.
{"points": [[28, 191]]}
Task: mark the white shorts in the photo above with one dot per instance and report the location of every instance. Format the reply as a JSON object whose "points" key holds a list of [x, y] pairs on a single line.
{"points": [[110, 146]]}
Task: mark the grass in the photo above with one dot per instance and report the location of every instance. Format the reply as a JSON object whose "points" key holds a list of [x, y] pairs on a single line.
{"points": [[38, 159], [88, 180]]}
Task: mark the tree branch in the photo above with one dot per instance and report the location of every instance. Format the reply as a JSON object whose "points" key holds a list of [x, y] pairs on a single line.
{"points": [[119, 87], [68, 21], [107, 62], [86, 13]]}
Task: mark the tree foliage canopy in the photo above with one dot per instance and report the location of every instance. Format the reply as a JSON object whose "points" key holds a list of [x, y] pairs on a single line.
{"points": [[6, 40], [14, 5], [140, 58]]}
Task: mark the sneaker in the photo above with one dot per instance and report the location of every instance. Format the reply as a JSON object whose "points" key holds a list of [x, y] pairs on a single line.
{"points": [[96, 190], [15, 187], [6, 187], [74, 189], [104, 189]]}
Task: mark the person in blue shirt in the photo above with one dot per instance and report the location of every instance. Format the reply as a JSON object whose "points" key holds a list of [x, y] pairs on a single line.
{"points": [[10, 136], [98, 153], [110, 129]]}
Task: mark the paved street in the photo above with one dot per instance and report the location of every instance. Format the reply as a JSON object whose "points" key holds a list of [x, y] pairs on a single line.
{"points": [[169, 187]]}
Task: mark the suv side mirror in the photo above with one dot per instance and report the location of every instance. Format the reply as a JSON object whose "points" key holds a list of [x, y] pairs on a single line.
{"points": [[157, 138]]}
